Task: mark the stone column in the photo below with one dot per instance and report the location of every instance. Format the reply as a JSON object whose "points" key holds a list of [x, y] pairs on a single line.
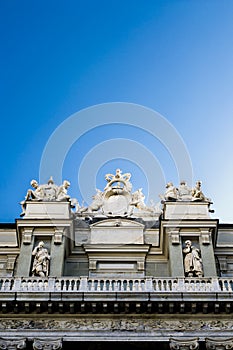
{"points": [[207, 254], [12, 344], [219, 343], [47, 344], [184, 344], [175, 253]]}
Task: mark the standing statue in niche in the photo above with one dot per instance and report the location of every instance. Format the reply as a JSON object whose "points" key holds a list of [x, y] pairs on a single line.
{"points": [[192, 260], [41, 261]]}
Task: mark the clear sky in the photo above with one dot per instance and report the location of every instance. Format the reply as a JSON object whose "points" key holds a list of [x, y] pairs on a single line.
{"points": [[59, 57]]}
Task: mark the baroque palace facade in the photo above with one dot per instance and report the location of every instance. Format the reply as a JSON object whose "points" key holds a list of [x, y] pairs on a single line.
{"points": [[117, 273]]}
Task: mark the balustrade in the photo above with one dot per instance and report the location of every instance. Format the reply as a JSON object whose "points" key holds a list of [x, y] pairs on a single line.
{"points": [[85, 284]]}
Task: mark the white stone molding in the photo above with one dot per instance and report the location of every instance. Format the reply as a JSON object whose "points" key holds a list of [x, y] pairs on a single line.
{"points": [[219, 343], [12, 344], [48, 344], [184, 344]]}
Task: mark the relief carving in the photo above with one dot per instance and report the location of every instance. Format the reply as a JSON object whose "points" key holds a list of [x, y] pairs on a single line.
{"points": [[134, 324]]}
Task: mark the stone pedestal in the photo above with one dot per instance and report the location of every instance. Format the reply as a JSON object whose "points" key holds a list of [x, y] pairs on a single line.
{"points": [[186, 210], [47, 210]]}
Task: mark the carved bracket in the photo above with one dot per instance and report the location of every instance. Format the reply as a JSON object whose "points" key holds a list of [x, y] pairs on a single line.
{"points": [[10, 262], [205, 236], [219, 344], [48, 344], [27, 235], [184, 344], [175, 236], [11, 344], [58, 234]]}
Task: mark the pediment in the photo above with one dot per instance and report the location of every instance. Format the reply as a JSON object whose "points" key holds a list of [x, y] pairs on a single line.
{"points": [[117, 223]]}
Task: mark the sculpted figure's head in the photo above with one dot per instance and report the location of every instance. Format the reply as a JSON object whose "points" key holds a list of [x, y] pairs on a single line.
{"points": [[41, 244], [66, 184], [188, 243], [34, 184]]}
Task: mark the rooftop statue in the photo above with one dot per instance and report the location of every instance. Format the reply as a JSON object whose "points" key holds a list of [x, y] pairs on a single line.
{"points": [[117, 198], [197, 194], [171, 193], [46, 193], [184, 193]]}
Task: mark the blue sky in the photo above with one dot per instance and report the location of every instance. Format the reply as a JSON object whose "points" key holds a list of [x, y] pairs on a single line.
{"points": [[60, 57]]}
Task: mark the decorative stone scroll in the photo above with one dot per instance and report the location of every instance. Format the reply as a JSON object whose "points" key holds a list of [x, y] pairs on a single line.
{"points": [[219, 343], [184, 344], [48, 344], [12, 344]]}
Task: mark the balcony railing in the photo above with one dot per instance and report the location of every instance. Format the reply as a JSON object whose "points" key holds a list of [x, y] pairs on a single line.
{"points": [[118, 285]]}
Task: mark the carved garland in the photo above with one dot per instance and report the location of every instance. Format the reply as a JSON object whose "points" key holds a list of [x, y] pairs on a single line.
{"points": [[132, 324]]}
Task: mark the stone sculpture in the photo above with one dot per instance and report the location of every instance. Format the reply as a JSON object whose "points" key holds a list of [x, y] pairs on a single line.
{"points": [[184, 192], [171, 193], [192, 260], [197, 194], [117, 198], [62, 192], [46, 193], [41, 261]]}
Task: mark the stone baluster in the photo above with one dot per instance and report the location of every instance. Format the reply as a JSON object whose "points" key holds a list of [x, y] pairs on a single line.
{"points": [[105, 286], [98, 286], [219, 343], [184, 344], [12, 344], [47, 344], [128, 285], [111, 285]]}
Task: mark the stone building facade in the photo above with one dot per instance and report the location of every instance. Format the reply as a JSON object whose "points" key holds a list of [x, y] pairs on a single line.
{"points": [[116, 273]]}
